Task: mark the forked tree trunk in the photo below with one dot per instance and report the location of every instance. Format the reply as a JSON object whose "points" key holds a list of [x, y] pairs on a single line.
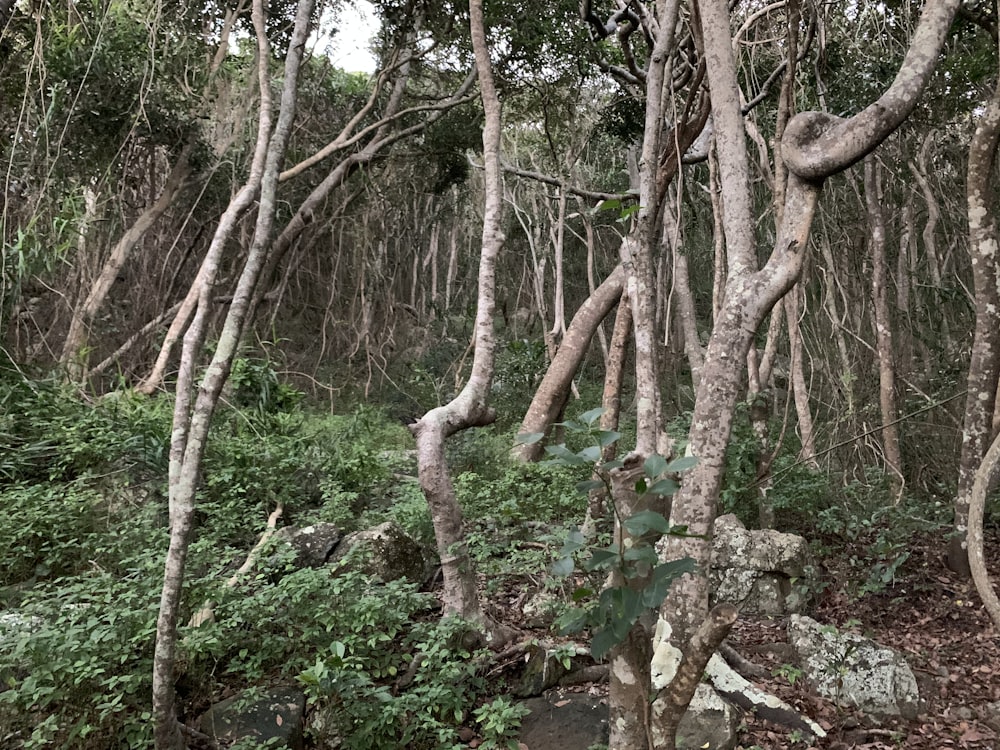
{"points": [[469, 408], [190, 425], [814, 146], [984, 365]]}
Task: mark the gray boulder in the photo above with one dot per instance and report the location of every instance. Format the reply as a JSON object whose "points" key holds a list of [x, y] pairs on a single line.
{"points": [[312, 545], [854, 671], [386, 551], [275, 716], [755, 569], [710, 722]]}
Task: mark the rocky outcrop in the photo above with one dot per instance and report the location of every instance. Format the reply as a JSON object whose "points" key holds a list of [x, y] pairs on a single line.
{"points": [[312, 545], [385, 551], [755, 570], [854, 671]]}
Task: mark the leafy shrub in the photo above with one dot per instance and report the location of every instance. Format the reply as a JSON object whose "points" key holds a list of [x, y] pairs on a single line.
{"points": [[439, 682], [523, 492], [79, 674]]}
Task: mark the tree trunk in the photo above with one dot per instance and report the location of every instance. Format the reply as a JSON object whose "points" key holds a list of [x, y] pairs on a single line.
{"points": [[883, 330], [800, 390], [984, 364], [553, 391], [469, 408], [190, 427], [814, 146]]}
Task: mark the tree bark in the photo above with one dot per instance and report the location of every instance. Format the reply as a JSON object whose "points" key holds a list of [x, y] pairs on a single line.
{"points": [[73, 356], [469, 408], [190, 427], [883, 330], [814, 146], [985, 476], [553, 391], [984, 364]]}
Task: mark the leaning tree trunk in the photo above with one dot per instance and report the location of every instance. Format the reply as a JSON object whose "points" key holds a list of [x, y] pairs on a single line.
{"points": [[553, 391], [814, 146], [469, 408], [190, 427], [984, 365], [74, 352]]}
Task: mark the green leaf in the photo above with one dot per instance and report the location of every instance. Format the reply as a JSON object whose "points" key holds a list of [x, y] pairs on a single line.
{"points": [[682, 464], [664, 487], [654, 465], [565, 455], [590, 484], [610, 465], [611, 204], [528, 438], [581, 593], [563, 567], [644, 553], [591, 416], [646, 520], [603, 641], [607, 437], [572, 621], [668, 571], [640, 486], [591, 453], [602, 558]]}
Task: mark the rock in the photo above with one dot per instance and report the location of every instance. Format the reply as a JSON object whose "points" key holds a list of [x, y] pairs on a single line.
{"points": [[387, 552], [565, 721], [540, 610], [710, 722], [575, 721], [542, 669], [855, 671], [754, 569], [275, 716], [312, 545]]}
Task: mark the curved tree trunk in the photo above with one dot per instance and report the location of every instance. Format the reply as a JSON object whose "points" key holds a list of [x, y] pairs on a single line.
{"points": [[984, 365], [553, 391], [814, 146], [977, 561], [469, 408], [73, 356]]}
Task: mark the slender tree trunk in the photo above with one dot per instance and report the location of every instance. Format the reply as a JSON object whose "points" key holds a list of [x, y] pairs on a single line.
{"points": [[191, 425], [73, 356], [986, 475], [800, 390], [984, 364], [553, 392], [883, 329], [630, 660], [469, 408], [611, 400]]}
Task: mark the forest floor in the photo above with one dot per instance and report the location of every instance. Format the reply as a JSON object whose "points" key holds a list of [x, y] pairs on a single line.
{"points": [[930, 615]]}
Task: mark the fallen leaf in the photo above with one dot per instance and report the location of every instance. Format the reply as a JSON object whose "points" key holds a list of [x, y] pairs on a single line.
{"points": [[278, 720]]}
